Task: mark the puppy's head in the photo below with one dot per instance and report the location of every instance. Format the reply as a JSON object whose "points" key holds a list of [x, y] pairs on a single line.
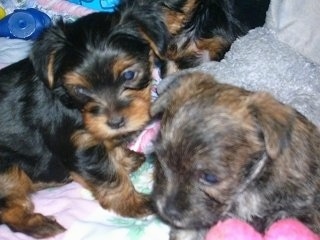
{"points": [[101, 64], [215, 140], [198, 31]]}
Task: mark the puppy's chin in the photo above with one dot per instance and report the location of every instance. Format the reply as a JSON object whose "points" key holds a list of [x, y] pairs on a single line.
{"points": [[196, 216]]}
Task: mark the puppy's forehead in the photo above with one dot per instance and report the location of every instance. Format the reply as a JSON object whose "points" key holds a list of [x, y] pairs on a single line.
{"points": [[100, 68], [201, 131]]}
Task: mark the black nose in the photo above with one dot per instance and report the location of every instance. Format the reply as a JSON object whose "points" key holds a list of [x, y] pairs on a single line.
{"points": [[116, 122], [172, 213]]}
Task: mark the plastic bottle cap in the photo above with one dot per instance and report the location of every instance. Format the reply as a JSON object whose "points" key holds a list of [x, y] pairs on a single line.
{"points": [[22, 24]]}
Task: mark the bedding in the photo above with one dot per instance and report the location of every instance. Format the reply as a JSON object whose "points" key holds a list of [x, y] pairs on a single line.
{"points": [[261, 60]]}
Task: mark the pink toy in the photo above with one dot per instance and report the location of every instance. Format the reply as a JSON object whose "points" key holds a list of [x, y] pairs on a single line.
{"points": [[234, 229], [290, 229]]}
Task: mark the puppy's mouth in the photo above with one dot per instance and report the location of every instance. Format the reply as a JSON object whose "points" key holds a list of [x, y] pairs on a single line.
{"points": [[106, 127], [171, 216], [184, 218]]}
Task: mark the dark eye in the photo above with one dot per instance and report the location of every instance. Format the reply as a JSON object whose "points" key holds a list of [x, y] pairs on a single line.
{"points": [[128, 75], [208, 178], [80, 91]]}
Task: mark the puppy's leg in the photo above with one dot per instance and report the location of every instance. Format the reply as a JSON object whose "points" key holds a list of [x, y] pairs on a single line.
{"points": [[131, 160], [105, 170], [118, 195], [17, 208]]}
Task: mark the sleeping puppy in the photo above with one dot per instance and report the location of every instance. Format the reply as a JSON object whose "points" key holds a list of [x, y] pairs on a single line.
{"points": [[203, 30], [68, 111], [199, 30], [224, 152]]}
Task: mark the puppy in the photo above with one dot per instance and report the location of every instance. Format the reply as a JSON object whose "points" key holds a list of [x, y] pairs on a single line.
{"points": [[226, 152], [69, 110], [197, 31], [203, 30]]}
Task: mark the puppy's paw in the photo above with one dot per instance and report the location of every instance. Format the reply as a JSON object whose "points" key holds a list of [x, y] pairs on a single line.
{"points": [[145, 206], [130, 160], [137, 160], [39, 226], [137, 206]]}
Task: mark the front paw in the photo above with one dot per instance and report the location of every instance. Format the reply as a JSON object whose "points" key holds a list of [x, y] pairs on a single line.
{"points": [[135, 205], [137, 160], [38, 226], [131, 160]]}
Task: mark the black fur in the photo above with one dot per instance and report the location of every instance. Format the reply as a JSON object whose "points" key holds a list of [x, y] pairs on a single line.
{"points": [[208, 19], [41, 110]]}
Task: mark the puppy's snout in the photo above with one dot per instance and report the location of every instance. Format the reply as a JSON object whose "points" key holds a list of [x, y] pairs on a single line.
{"points": [[116, 121], [171, 213]]}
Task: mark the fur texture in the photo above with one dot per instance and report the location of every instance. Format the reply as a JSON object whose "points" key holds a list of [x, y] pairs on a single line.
{"points": [[69, 110], [226, 152]]}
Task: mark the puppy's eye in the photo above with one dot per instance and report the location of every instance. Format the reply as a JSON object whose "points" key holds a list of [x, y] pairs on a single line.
{"points": [[128, 75], [208, 178], [81, 93]]}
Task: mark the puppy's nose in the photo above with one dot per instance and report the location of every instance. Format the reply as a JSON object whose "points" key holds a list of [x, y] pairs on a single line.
{"points": [[172, 213], [116, 122]]}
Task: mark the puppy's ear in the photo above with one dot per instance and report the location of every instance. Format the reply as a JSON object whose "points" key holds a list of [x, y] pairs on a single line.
{"points": [[145, 23], [276, 121], [177, 13], [44, 52]]}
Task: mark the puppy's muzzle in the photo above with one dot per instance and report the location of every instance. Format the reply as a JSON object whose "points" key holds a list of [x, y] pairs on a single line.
{"points": [[116, 122]]}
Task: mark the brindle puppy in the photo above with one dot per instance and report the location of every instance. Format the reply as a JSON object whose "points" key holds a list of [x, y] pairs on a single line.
{"points": [[226, 152]]}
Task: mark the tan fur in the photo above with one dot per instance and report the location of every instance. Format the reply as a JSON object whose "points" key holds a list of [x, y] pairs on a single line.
{"points": [[19, 209]]}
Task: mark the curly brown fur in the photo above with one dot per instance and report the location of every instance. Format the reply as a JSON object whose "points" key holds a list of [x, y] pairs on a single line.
{"points": [[69, 110], [226, 152]]}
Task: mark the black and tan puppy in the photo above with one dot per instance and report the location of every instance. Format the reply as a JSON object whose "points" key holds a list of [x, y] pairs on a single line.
{"points": [[203, 30], [199, 30], [70, 110], [226, 152]]}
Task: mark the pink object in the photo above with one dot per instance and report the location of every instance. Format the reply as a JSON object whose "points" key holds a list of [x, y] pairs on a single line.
{"points": [[286, 229], [64, 7], [290, 229], [144, 142], [233, 229]]}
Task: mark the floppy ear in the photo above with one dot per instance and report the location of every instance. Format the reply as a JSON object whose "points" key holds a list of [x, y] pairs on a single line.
{"points": [[177, 13], [44, 51], [146, 24], [276, 121]]}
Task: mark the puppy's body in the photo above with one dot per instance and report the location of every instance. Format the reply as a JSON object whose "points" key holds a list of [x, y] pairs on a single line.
{"points": [[70, 110], [226, 152]]}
